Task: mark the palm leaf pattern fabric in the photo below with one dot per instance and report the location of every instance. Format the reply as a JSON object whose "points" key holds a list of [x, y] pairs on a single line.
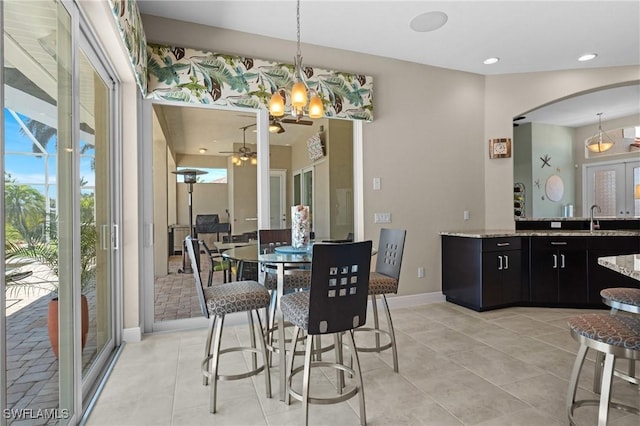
{"points": [[127, 17], [195, 76]]}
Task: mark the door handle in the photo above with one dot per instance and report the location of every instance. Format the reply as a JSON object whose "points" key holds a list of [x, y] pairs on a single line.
{"points": [[562, 261], [499, 263], [116, 239], [555, 261], [506, 262]]}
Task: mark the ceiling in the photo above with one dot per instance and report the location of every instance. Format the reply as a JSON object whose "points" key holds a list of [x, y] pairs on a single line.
{"points": [[189, 128], [527, 36]]}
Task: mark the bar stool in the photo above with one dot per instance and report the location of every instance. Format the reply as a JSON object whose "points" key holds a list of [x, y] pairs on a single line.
{"points": [[217, 301], [614, 336], [336, 303], [384, 280], [620, 299]]}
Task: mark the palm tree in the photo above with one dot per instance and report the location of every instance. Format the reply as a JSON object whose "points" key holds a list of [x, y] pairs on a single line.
{"points": [[24, 209], [41, 132]]}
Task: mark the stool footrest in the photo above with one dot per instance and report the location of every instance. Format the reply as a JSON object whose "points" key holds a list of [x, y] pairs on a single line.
{"points": [[347, 392], [379, 348], [208, 375]]}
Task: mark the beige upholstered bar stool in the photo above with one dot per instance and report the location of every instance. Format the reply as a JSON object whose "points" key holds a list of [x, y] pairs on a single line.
{"points": [[216, 302], [336, 303], [614, 336], [383, 281]]}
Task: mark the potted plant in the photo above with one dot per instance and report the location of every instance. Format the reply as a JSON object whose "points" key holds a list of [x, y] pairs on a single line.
{"points": [[46, 253]]}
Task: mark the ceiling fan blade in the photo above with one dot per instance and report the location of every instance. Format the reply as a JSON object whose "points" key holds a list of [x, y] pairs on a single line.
{"points": [[294, 121]]}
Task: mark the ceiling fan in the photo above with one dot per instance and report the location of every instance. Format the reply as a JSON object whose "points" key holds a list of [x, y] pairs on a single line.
{"points": [[276, 127], [243, 153], [275, 123]]}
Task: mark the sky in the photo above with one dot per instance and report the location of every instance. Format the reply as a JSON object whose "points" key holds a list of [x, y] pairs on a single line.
{"points": [[30, 169]]}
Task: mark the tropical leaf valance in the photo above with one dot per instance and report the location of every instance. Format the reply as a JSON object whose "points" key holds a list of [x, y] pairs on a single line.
{"points": [[196, 76], [127, 17]]}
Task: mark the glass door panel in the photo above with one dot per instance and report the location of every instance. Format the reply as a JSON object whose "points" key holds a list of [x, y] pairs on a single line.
{"points": [[37, 122], [96, 263]]}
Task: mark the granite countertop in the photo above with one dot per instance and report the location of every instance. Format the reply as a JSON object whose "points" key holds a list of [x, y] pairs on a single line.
{"points": [[628, 265], [540, 233]]}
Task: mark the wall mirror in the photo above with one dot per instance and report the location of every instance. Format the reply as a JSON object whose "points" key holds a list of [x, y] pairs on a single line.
{"points": [[216, 140], [549, 145]]}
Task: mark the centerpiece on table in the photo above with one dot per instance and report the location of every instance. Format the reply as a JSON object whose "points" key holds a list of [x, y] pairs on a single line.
{"points": [[300, 226]]}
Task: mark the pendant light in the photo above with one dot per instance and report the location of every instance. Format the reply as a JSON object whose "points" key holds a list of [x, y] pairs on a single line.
{"points": [[300, 93], [602, 141]]}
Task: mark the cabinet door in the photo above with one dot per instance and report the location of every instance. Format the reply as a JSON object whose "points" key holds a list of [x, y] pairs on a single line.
{"points": [[544, 276], [572, 276], [492, 271], [511, 277]]}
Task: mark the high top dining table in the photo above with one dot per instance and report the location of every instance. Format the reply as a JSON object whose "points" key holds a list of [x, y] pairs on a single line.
{"points": [[268, 255], [278, 256]]}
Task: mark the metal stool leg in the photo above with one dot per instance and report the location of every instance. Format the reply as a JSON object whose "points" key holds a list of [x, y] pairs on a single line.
{"points": [[392, 333], [214, 364], [263, 344], [296, 333], [358, 374], [376, 322], [605, 390], [573, 382], [207, 347], [252, 338], [307, 378], [597, 373]]}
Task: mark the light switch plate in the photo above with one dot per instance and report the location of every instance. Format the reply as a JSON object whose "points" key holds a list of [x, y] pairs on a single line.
{"points": [[382, 217], [376, 183]]}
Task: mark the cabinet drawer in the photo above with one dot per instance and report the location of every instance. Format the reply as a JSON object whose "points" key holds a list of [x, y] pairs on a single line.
{"points": [[622, 245], [558, 243], [501, 244]]}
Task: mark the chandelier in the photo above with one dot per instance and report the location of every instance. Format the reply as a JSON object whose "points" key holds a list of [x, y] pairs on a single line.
{"points": [[600, 142], [300, 93]]}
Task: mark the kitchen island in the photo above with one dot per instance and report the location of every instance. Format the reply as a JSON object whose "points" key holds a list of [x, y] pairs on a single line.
{"points": [[552, 267]]}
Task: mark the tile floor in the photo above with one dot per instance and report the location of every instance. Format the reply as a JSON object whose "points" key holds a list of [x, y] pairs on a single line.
{"points": [[457, 367]]}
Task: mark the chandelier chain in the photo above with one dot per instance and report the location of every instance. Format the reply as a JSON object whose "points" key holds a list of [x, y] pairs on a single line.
{"points": [[299, 53]]}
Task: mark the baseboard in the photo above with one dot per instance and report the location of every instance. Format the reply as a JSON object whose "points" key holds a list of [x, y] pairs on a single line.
{"points": [[415, 300], [132, 335]]}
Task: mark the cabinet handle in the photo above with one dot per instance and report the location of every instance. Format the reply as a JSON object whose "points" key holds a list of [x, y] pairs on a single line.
{"points": [[506, 262], [558, 243], [499, 263], [562, 261], [555, 261], [503, 244]]}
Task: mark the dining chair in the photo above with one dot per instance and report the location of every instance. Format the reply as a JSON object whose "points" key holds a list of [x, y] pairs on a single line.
{"points": [[295, 278], [336, 303], [216, 302], [384, 280], [216, 264]]}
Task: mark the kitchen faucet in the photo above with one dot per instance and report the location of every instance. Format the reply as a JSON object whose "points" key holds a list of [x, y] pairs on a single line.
{"points": [[593, 225]]}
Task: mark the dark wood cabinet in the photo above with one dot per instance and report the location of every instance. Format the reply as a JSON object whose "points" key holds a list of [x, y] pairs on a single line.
{"points": [[559, 270], [482, 273], [491, 272]]}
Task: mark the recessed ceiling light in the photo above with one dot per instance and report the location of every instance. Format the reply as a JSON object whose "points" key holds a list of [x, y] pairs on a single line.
{"points": [[490, 61], [203, 150], [587, 57], [429, 21]]}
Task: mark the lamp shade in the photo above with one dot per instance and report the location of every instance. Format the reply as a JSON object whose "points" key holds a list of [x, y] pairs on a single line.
{"points": [[637, 192], [276, 105], [316, 109], [596, 144], [299, 95]]}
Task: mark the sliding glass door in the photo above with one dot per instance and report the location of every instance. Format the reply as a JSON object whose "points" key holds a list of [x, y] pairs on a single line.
{"points": [[59, 218]]}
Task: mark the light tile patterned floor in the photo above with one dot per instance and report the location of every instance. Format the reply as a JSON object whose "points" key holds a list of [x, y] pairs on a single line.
{"points": [[457, 367]]}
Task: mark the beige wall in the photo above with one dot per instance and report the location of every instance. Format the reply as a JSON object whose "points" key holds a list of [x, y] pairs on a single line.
{"points": [[427, 144], [510, 95]]}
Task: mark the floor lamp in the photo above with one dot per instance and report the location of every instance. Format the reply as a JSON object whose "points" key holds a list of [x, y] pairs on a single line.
{"points": [[189, 177]]}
